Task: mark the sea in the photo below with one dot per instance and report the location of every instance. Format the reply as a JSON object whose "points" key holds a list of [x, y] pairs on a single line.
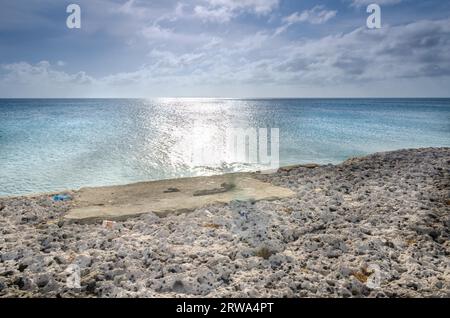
{"points": [[50, 145]]}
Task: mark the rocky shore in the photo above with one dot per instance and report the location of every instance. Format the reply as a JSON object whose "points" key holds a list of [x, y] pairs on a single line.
{"points": [[370, 227]]}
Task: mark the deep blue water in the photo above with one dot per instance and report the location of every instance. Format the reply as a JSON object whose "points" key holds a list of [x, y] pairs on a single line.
{"points": [[53, 144]]}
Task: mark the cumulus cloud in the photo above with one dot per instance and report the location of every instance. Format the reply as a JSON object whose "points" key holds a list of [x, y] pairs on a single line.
{"points": [[221, 14], [414, 50], [256, 6], [409, 51], [224, 10], [41, 79], [316, 15], [157, 32], [43, 71]]}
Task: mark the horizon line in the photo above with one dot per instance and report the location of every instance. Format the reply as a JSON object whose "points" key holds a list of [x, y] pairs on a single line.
{"points": [[231, 98]]}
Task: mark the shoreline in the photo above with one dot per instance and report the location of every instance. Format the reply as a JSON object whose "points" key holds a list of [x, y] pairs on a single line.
{"points": [[388, 209], [74, 190], [310, 165]]}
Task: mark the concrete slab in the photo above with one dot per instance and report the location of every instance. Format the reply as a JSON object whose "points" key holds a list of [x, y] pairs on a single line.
{"points": [[169, 196]]}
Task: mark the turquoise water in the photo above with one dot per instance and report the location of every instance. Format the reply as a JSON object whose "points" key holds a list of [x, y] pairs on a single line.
{"points": [[53, 144]]}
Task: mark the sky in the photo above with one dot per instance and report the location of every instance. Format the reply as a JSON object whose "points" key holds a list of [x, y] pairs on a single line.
{"points": [[224, 48]]}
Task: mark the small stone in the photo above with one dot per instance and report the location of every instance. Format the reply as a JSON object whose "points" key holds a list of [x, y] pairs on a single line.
{"points": [[23, 283], [434, 234], [334, 253], [28, 219], [345, 271], [308, 286], [8, 256], [90, 287], [7, 273], [413, 285], [264, 252], [42, 281], [83, 260], [344, 292], [389, 244], [22, 267], [59, 259], [178, 287]]}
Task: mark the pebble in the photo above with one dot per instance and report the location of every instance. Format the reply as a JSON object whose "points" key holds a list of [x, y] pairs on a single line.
{"points": [[83, 260], [42, 280]]}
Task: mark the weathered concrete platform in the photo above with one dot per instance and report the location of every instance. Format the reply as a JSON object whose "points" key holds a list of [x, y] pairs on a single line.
{"points": [[169, 196]]}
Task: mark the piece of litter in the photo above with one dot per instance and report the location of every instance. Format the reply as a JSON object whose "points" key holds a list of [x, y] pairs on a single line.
{"points": [[244, 214], [61, 197], [108, 224], [208, 214]]}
